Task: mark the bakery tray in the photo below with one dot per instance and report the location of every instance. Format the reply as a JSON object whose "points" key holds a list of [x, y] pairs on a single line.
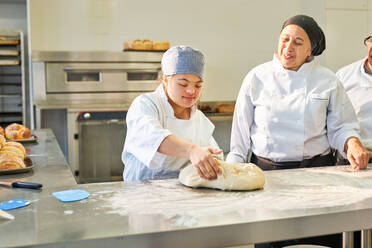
{"points": [[32, 139], [29, 165], [9, 62], [9, 42]]}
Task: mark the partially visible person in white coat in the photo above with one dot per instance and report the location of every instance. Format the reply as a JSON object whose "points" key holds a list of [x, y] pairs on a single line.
{"points": [[165, 130], [290, 111], [357, 81]]}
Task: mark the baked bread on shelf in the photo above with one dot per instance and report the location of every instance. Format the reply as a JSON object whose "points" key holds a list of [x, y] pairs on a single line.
{"points": [[161, 45], [2, 131], [11, 162], [17, 131], [225, 108], [146, 45]]}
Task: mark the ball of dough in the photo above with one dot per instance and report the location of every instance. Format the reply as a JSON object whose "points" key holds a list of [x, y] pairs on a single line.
{"points": [[234, 176]]}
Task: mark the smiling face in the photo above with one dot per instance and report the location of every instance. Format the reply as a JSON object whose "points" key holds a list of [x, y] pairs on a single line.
{"points": [[369, 59], [294, 47], [183, 90]]}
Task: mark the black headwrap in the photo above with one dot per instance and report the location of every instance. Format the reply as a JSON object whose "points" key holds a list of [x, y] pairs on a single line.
{"points": [[365, 40], [312, 29]]}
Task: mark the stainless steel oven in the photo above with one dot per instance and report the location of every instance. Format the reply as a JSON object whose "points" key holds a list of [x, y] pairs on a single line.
{"points": [[99, 138], [83, 97]]}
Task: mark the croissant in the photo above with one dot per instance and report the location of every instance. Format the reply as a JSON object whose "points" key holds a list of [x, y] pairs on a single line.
{"points": [[2, 141], [1, 131], [17, 145], [17, 131], [15, 151], [10, 162]]}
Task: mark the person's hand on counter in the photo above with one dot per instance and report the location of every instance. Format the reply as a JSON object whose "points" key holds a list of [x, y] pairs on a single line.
{"points": [[357, 155], [204, 162]]}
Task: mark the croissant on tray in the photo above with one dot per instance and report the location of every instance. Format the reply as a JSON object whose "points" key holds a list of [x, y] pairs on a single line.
{"points": [[12, 155], [11, 162]]}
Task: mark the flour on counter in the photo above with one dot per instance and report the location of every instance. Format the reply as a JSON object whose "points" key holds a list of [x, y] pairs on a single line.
{"points": [[344, 170], [184, 205]]}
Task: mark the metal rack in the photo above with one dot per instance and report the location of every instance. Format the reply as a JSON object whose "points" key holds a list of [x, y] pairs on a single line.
{"points": [[12, 77]]}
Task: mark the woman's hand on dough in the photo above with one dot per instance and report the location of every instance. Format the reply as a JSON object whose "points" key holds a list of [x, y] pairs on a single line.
{"points": [[204, 162], [357, 155]]}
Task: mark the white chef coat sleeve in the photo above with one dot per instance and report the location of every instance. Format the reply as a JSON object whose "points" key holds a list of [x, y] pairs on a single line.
{"points": [[342, 122], [240, 144], [214, 144], [145, 132]]}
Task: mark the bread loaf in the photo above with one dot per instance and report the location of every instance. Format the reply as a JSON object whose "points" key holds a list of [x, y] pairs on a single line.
{"points": [[10, 162], [17, 131], [147, 44], [225, 108], [160, 45], [138, 45], [128, 45]]}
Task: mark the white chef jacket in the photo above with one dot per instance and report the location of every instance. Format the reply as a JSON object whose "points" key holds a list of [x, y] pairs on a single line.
{"points": [[286, 115], [358, 86], [150, 119]]}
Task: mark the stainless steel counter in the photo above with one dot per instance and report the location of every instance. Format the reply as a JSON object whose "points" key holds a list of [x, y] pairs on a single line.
{"points": [[163, 213], [50, 166]]}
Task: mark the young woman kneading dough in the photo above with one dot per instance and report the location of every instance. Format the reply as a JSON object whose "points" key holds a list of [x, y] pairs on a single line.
{"points": [[164, 128]]}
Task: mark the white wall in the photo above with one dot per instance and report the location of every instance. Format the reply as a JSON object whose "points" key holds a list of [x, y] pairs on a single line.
{"points": [[234, 35], [348, 23]]}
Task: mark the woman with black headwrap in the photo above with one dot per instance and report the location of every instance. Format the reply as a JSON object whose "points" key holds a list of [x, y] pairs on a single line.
{"points": [[290, 111]]}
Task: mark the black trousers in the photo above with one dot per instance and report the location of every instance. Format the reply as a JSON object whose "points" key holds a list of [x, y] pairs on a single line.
{"points": [[334, 240], [317, 161]]}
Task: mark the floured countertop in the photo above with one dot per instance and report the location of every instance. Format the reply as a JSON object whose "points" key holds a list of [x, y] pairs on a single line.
{"points": [[164, 213], [306, 190]]}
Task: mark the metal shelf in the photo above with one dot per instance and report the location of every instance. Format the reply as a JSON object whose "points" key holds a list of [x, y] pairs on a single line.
{"points": [[9, 52], [12, 77], [10, 74], [10, 95], [10, 84], [10, 114]]}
